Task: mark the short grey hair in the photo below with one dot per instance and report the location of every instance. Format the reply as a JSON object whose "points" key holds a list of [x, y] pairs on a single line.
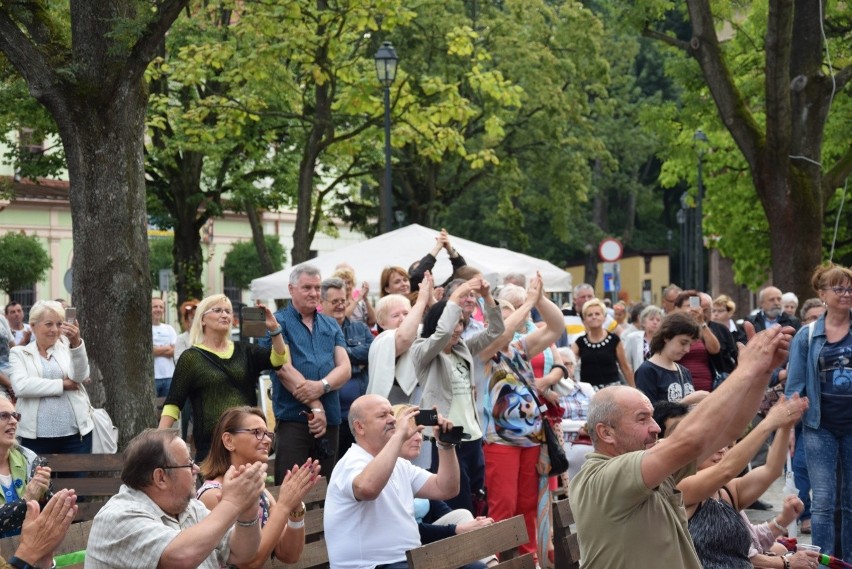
{"points": [[332, 282], [303, 269], [583, 286], [603, 409], [515, 279], [513, 293], [42, 307], [790, 297], [648, 311]]}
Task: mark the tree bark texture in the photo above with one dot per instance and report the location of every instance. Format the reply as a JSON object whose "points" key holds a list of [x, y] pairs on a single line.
{"points": [[93, 87], [785, 157]]}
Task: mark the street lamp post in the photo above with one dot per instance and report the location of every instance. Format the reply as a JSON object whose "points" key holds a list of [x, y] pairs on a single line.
{"points": [[700, 140], [386, 61]]}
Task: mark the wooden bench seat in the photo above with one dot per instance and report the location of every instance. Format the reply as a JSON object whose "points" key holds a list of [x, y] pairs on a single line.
{"points": [[503, 538], [99, 478]]}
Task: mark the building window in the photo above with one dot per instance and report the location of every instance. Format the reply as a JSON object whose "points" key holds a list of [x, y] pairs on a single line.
{"points": [[27, 141], [27, 297], [233, 291]]}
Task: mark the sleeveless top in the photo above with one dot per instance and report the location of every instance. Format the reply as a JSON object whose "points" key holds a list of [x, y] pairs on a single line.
{"points": [[598, 363], [262, 508], [720, 535]]}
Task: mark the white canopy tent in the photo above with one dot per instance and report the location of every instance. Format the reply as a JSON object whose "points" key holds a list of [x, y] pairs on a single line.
{"points": [[408, 244]]}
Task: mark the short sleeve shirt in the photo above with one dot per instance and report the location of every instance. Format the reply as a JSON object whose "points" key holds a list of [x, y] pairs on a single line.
{"points": [[371, 532], [132, 531], [623, 523]]}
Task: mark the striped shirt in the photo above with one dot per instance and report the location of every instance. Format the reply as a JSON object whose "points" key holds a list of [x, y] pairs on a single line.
{"points": [[312, 353], [132, 531]]}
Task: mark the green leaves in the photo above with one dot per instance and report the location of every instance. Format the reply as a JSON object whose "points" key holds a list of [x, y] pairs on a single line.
{"points": [[23, 261]]}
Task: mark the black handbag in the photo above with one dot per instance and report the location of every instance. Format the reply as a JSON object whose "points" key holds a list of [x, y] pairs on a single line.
{"points": [[555, 450]]}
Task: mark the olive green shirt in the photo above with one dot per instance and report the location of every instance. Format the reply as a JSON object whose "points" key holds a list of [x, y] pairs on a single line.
{"points": [[623, 524]]}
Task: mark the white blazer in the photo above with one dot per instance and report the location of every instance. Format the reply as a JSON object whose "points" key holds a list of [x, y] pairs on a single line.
{"points": [[30, 387]]}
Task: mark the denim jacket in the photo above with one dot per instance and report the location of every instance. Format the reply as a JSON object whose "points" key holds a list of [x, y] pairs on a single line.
{"points": [[803, 369]]}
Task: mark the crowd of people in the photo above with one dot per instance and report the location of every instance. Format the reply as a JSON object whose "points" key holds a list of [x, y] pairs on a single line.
{"points": [[428, 410]]}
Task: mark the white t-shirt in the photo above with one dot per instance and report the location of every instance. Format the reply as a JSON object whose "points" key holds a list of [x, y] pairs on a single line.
{"points": [[361, 535], [164, 335], [19, 334]]}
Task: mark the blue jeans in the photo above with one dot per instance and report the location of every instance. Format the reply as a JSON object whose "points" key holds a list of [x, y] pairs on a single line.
{"points": [[162, 385], [800, 471], [824, 450]]}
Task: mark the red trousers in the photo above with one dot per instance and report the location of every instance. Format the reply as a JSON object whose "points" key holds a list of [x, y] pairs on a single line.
{"points": [[511, 481]]}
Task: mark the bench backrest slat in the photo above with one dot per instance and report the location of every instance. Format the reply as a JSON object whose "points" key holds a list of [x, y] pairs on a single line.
{"points": [[565, 542], [503, 537]]}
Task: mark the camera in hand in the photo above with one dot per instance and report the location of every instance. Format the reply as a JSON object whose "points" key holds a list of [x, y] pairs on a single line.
{"points": [[454, 436], [426, 417]]}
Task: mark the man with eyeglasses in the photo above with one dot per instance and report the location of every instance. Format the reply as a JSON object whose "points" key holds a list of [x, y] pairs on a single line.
{"points": [[306, 399], [155, 520], [358, 339]]}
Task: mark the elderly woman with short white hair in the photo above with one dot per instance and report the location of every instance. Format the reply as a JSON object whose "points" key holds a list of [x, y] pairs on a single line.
{"points": [[391, 372], [47, 376], [637, 345]]}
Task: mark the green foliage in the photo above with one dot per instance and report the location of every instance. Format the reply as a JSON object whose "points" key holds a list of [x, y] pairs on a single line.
{"points": [[159, 257], [23, 261], [243, 264]]}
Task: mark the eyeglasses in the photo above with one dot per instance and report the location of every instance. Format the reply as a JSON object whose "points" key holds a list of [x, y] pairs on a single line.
{"points": [[6, 415], [258, 433], [218, 310], [338, 302], [190, 466], [839, 290]]}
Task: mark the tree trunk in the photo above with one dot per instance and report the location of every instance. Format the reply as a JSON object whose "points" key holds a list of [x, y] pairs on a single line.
{"points": [[111, 283], [257, 236], [184, 187]]}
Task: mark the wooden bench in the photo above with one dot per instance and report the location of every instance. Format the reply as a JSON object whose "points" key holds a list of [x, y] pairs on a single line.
{"points": [[565, 543], [503, 537], [100, 478]]}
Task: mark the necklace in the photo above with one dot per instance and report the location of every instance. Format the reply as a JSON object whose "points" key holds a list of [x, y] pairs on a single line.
{"points": [[597, 345]]}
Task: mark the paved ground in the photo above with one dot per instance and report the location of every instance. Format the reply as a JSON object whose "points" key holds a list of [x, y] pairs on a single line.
{"points": [[774, 496]]}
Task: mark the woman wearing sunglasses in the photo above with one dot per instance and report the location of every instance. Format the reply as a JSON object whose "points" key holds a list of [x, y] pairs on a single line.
{"points": [[241, 438], [217, 373], [22, 478]]}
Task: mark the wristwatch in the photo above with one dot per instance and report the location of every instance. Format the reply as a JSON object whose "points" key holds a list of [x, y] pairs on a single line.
{"points": [[21, 564], [326, 387]]}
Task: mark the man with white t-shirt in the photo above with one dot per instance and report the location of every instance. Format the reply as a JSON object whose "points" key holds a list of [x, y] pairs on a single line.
{"points": [[20, 329], [369, 506], [165, 338]]}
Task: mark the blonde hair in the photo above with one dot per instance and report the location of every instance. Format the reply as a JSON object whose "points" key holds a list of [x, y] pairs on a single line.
{"points": [[196, 332], [42, 306], [594, 302], [387, 303]]}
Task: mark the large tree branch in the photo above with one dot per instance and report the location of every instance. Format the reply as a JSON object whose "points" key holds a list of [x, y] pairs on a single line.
{"points": [[24, 55], [841, 78], [149, 41], [665, 38], [837, 175], [779, 29], [732, 108]]}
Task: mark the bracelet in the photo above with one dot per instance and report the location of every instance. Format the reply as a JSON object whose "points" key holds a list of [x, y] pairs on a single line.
{"points": [[249, 524], [563, 368], [296, 525], [298, 513], [276, 332], [786, 562], [778, 526], [445, 446], [317, 410]]}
